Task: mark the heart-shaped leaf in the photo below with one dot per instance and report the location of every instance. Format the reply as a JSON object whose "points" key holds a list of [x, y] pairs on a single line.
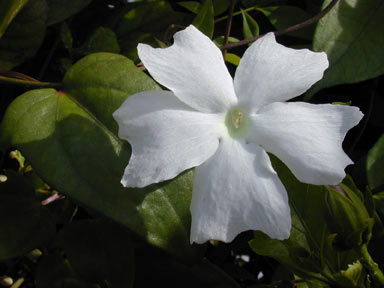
{"points": [[69, 138]]}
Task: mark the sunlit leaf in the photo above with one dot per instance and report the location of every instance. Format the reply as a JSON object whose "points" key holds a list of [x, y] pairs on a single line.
{"points": [[351, 35], [69, 138]]}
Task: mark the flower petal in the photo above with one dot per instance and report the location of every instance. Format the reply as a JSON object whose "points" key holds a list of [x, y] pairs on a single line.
{"points": [[269, 72], [306, 137], [167, 136], [193, 68], [238, 190]]}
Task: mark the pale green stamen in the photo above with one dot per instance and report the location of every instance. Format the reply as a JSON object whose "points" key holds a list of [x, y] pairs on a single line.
{"points": [[237, 123]]}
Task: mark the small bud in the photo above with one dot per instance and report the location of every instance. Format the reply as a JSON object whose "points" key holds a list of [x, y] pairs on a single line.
{"points": [[3, 178], [348, 218], [6, 281]]}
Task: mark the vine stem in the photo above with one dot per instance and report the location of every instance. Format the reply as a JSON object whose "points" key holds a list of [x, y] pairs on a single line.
{"points": [[229, 25], [370, 265], [310, 21]]}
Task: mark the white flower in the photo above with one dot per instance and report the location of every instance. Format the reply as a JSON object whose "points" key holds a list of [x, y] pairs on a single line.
{"points": [[224, 127]]}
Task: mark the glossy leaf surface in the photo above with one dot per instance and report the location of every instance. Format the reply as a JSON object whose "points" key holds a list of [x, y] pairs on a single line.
{"points": [[351, 35], [76, 151]]}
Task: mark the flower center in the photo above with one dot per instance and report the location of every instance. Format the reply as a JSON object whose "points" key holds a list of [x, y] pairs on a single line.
{"points": [[237, 123]]}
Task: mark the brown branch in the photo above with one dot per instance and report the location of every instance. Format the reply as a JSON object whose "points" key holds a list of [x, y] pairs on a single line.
{"points": [[284, 31], [229, 25]]}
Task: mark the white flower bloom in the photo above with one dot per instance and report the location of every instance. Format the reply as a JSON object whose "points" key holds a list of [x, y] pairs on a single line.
{"points": [[224, 127]]}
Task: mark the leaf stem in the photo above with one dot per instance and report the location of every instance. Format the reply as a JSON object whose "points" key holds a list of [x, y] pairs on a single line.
{"points": [[370, 265], [310, 21], [31, 83]]}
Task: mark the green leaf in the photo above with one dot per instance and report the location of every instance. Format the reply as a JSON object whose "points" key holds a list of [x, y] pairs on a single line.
{"points": [[351, 35], [375, 164], [192, 6], [24, 35], [102, 40], [103, 92], [70, 140], [204, 21], [100, 252], [250, 26], [232, 58], [24, 223], [9, 10], [59, 10], [283, 17]]}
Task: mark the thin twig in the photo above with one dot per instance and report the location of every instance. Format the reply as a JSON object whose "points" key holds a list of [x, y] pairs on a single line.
{"points": [[284, 31], [229, 25]]}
